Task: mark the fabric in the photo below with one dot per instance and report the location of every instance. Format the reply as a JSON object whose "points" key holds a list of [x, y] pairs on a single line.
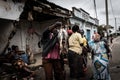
{"points": [[85, 54], [100, 60], [53, 65], [74, 43], [84, 42], [85, 51], [75, 64], [54, 53], [49, 41], [63, 36], [69, 32], [23, 56], [52, 60], [22, 69]]}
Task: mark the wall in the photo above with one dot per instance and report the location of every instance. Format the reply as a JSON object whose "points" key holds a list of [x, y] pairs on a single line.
{"points": [[92, 28], [84, 21], [10, 10], [6, 27], [22, 38], [75, 21]]}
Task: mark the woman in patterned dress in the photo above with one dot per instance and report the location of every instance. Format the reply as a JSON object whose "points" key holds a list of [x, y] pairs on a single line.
{"points": [[100, 58]]}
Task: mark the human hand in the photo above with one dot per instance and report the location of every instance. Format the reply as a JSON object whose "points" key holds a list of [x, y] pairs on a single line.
{"points": [[109, 55]]}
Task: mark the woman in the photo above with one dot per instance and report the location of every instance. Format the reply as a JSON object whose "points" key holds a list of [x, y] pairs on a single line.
{"points": [[51, 53], [100, 60], [74, 54], [85, 49]]}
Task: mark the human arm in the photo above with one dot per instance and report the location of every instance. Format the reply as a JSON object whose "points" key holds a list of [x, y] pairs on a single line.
{"points": [[108, 50], [80, 39]]}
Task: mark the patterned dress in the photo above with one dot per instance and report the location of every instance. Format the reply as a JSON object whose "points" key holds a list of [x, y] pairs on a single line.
{"points": [[100, 60]]}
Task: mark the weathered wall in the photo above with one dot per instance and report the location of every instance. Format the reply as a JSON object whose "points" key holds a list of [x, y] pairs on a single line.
{"points": [[6, 27], [22, 38], [10, 10]]}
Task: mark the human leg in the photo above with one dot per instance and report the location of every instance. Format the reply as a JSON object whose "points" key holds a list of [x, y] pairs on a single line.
{"points": [[47, 65]]}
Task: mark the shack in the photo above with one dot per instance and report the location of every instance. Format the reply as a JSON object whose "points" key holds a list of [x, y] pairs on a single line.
{"points": [[27, 24]]}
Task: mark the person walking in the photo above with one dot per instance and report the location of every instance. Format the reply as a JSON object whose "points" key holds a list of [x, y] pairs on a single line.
{"points": [[75, 60], [51, 59], [100, 59], [85, 49]]}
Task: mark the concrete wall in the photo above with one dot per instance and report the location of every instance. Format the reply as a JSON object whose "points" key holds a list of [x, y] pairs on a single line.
{"points": [[92, 28], [85, 26], [78, 22], [22, 38], [6, 27], [10, 10]]}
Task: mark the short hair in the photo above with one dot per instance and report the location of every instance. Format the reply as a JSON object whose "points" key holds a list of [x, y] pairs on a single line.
{"points": [[75, 28], [82, 31], [14, 47]]}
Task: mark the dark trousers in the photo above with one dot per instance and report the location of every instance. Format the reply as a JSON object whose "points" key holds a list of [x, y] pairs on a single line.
{"points": [[84, 55], [53, 66], [75, 64]]}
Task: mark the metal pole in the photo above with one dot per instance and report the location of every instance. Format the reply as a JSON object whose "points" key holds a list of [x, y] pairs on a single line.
{"points": [[115, 26], [107, 17], [95, 9], [106, 9]]}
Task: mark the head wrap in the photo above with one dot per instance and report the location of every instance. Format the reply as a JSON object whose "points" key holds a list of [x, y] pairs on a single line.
{"points": [[96, 37], [69, 32]]}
